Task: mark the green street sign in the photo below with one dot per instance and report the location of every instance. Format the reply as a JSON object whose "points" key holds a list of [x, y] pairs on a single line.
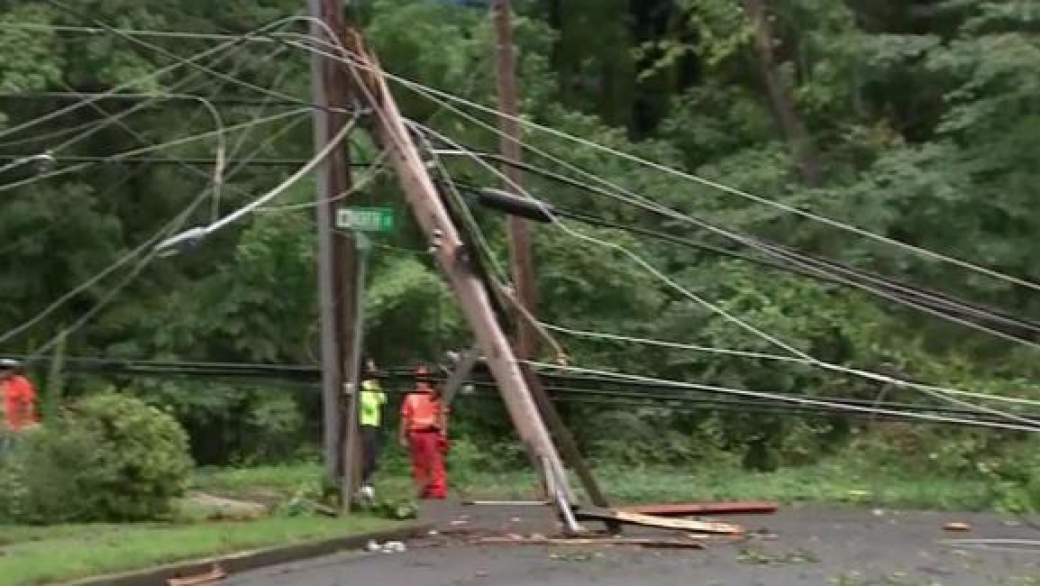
{"points": [[365, 219]]}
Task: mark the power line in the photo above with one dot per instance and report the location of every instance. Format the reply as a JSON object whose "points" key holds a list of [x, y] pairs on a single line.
{"points": [[196, 161], [793, 261], [784, 398], [198, 233], [770, 357], [420, 88], [121, 87], [375, 171], [558, 384], [143, 150], [121, 97], [171, 55], [101, 275], [745, 240], [938, 392], [178, 222], [427, 90], [89, 30]]}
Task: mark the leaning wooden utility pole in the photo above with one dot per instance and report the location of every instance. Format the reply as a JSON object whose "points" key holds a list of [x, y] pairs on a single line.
{"points": [[335, 253], [392, 134], [520, 257]]}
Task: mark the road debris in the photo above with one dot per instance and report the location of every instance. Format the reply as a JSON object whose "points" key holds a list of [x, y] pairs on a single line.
{"points": [[389, 547], [580, 556], [957, 526], [1031, 546], [688, 525], [696, 509], [602, 541], [215, 574], [769, 556]]}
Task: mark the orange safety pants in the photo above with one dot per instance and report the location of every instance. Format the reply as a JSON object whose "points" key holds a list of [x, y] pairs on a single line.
{"points": [[427, 453]]}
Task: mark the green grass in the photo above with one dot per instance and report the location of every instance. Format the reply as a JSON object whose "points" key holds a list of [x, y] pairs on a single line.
{"points": [[826, 483], [820, 484], [42, 555]]}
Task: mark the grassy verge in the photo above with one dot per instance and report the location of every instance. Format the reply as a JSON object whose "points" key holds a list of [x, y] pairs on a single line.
{"points": [[826, 483], [31, 556]]}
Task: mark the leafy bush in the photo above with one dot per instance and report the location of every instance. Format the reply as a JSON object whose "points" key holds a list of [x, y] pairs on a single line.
{"points": [[109, 458]]}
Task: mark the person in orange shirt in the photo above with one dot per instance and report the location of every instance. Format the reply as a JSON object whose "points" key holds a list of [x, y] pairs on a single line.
{"points": [[424, 434], [18, 398]]}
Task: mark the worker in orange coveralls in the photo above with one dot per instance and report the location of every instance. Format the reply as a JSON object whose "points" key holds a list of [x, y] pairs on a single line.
{"points": [[17, 402], [423, 432], [18, 397]]}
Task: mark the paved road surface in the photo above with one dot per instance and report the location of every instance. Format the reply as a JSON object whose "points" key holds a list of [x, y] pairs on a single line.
{"points": [[795, 547]]}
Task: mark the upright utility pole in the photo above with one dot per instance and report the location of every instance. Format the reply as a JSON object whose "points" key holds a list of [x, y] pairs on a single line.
{"points": [[780, 95], [520, 257], [335, 253]]}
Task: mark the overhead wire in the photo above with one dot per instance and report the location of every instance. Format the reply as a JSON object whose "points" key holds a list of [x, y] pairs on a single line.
{"points": [[113, 91], [116, 157], [643, 201], [782, 397], [374, 172], [259, 202], [215, 211], [937, 392], [933, 391], [219, 128], [101, 275], [177, 58], [176, 224], [221, 152], [74, 95], [777, 358], [793, 262], [448, 96], [143, 248], [785, 255]]}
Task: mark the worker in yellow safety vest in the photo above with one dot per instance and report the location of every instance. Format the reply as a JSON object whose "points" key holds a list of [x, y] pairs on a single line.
{"points": [[370, 418]]}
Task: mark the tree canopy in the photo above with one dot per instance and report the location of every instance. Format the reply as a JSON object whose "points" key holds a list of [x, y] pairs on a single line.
{"points": [[916, 121]]}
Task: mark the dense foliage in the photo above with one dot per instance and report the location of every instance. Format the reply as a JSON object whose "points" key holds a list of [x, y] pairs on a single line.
{"points": [[108, 458], [919, 121]]}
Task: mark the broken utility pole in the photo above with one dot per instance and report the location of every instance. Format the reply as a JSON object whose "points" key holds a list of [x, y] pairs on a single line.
{"points": [[335, 253], [392, 133]]}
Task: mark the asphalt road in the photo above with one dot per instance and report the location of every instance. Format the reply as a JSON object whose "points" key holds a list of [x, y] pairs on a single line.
{"points": [[840, 547]]}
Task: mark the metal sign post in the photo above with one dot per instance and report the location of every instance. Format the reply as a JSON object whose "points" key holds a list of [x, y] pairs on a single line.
{"points": [[359, 220]]}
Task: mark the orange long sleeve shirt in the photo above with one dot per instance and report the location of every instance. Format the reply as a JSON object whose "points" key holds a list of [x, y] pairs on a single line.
{"points": [[19, 402], [421, 411]]}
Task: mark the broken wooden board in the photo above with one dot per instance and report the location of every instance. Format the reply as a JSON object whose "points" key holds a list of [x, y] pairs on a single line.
{"points": [[689, 525], [696, 509]]}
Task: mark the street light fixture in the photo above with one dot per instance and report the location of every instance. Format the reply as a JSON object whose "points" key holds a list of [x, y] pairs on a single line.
{"points": [[44, 163]]}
